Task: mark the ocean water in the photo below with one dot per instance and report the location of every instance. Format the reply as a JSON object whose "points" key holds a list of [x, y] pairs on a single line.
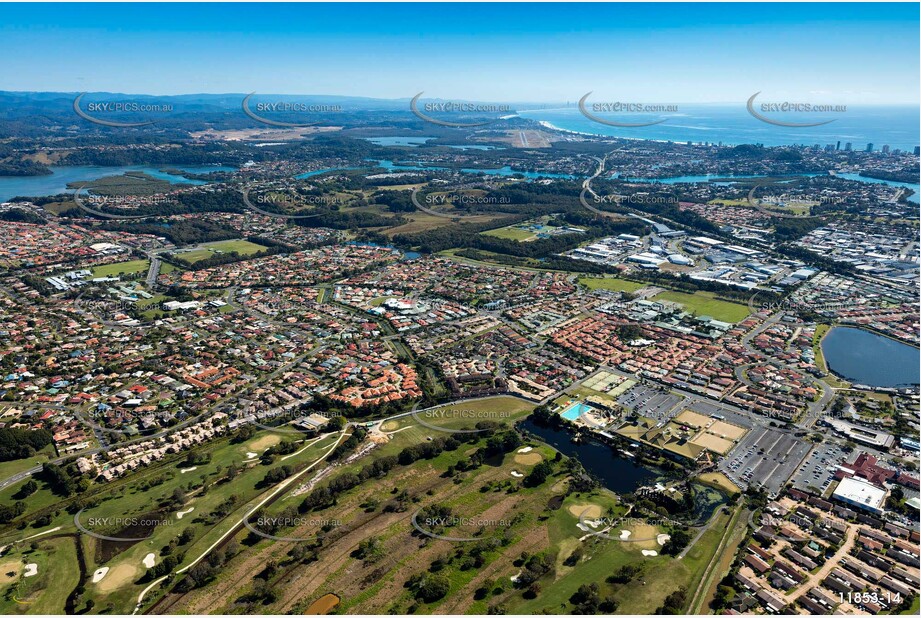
{"points": [[896, 126]]}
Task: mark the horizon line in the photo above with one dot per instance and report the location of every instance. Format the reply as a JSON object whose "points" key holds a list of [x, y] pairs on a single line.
{"points": [[573, 103]]}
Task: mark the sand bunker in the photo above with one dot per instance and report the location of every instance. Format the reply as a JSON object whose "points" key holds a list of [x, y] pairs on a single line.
{"points": [[588, 510], [625, 534], [517, 474], [118, 577], [184, 470], [528, 459], [181, 514], [662, 538], [649, 552], [251, 455], [149, 560], [526, 449], [99, 573], [31, 570]]}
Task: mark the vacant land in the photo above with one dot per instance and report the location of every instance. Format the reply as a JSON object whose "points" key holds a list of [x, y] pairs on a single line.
{"points": [[121, 268], [706, 303], [206, 250], [611, 283]]}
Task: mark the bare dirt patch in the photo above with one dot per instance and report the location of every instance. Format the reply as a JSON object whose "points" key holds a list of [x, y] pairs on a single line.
{"points": [[9, 571], [321, 606]]}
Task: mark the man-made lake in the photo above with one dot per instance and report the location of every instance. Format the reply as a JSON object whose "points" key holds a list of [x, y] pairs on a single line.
{"points": [[56, 182], [398, 140], [618, 474], [390, 166], [863, 357]]}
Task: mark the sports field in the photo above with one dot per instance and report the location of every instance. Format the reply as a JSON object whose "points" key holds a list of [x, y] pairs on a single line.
{"points": [[706, 303]]}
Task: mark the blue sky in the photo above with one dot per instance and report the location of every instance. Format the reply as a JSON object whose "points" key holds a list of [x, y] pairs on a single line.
{"points": [[689, 53]]}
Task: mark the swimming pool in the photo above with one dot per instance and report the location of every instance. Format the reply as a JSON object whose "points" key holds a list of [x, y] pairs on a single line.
{"points": [[575, 410]]}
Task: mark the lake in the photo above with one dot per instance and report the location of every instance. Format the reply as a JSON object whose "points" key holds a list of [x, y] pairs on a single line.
{"points": [[864, 357], [398, 140], [56, 182], [390, 166], [618, 474]]}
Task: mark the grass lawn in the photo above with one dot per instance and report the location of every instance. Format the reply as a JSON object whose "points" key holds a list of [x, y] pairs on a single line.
{"points": [[147, 494], [741, 202], [706, 303], [511, 233], [915, 606], [9, 468], [121, 268], [43, 593], [206, 250], [718, 480], [376, 585], [611, 283], [420, 222]]}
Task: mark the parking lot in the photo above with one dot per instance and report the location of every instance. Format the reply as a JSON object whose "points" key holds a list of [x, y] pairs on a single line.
{"points": [[765, 457], [651, 402], [818, 470], [708, 408]]}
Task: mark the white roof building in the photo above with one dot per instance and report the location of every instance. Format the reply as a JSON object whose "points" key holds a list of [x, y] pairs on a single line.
{"points": [[860, 493]]}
